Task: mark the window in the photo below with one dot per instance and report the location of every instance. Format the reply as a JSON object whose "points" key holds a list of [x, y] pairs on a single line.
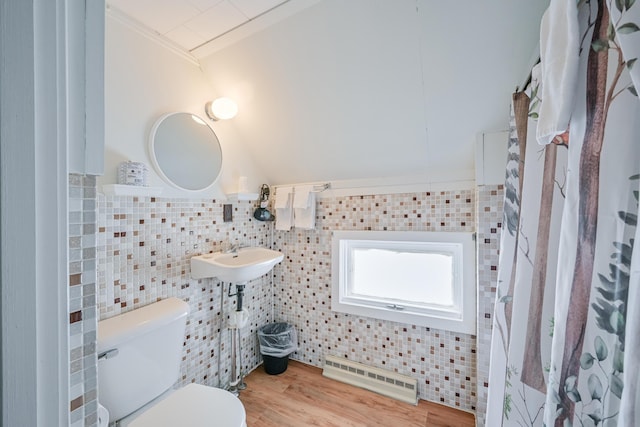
{"points": [[420, 278]]}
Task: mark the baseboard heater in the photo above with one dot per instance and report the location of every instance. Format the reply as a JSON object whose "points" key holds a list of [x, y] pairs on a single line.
{"points": [[396, 386]]}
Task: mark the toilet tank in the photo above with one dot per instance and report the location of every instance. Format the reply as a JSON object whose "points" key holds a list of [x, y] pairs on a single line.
{"points": [[139, 354]]}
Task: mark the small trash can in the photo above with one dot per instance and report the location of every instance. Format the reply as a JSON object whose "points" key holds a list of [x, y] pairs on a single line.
{"points": [[277, 342]]}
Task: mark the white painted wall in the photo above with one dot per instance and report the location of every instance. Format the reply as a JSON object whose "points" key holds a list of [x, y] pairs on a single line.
{"points": [[144, 80], [370, 89], [491, 157]]}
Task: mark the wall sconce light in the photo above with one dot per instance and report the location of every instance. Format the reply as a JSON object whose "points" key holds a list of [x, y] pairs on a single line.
{"points": [[221, 109]]}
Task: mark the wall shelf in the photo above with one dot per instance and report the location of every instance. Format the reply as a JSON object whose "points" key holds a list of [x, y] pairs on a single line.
{"points": [[243, 196], [130, 190]]}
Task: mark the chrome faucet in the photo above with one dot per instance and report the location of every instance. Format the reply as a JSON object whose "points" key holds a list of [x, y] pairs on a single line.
{"points": [[232, 248]]}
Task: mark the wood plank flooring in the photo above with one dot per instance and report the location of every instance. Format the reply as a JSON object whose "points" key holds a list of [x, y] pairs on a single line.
{"points": [[301, 396]]}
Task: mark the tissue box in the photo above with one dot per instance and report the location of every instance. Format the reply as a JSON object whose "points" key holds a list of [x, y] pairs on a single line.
{"points": [[133, 173]]}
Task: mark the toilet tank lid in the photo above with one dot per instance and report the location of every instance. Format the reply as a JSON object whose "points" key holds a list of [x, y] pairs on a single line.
{"points": [[124, 327]]}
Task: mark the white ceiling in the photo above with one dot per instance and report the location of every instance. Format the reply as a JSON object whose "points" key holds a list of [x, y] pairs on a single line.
{"points": [[192, 23]]}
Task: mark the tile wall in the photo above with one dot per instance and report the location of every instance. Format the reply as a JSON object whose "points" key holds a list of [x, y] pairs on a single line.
{"points": [[83, 382], [444, 362], [144, 246], [489, 212], [142, 250]]}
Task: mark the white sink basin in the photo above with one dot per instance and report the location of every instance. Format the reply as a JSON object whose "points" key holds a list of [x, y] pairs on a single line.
{"points": [[245, 264]]}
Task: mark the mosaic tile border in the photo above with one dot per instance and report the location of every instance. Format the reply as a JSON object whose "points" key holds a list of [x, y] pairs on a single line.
{"points": [[83, 381], [489, 201]]}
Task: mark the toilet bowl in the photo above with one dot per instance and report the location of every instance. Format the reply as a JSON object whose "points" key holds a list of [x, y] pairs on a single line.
{"points": [[192, 405], [139, 355]]}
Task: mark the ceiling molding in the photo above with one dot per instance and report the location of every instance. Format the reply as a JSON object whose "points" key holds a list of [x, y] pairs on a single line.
{"points": [[259, 23], [140, 28]]}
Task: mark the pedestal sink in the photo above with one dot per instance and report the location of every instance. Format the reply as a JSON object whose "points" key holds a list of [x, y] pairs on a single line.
{"points": [[239, 266]]}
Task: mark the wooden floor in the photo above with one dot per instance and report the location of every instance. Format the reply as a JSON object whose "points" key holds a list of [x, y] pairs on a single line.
{"points": [[301, 396]]}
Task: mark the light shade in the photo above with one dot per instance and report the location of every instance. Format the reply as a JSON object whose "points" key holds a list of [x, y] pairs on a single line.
{"points": [[221, 109]]}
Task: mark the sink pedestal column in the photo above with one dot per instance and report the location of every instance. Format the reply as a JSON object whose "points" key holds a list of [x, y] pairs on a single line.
{"points": [[238, 320]]}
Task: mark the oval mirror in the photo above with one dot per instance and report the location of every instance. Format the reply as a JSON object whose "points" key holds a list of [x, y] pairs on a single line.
{"points": [[185, 151]]}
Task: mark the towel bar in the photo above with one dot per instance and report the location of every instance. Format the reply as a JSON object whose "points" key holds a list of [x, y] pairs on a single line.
{"points": [[316, 188]]}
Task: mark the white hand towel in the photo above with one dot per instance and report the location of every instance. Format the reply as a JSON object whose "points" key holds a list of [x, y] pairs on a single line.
{"points": [[284, 208], [282, 197], [301, 198], [305, 218]]}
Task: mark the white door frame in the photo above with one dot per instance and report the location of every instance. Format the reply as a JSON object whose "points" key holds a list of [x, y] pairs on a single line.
{"points": [[33, 212]]}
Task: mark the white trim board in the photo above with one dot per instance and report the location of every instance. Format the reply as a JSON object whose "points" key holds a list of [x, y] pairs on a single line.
{"points": [[34, 54], [143, 30], [259, 23], [244, 30], [394, 185]]}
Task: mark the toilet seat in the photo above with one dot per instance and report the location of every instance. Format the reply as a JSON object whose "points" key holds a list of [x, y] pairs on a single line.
{"points": [[194, 405]]}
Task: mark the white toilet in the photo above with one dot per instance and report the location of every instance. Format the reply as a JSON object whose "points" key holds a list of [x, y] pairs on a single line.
{"points": [[139, 362]]}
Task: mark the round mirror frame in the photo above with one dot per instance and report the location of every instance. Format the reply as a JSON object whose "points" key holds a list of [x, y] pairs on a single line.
{"points": [[177, 145]]}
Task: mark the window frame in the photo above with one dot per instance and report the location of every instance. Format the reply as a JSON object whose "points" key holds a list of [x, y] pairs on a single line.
{"points": [[461, 317]]}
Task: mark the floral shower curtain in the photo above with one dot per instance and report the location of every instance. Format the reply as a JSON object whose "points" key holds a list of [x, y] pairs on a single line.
{"points": [[566, 336]]}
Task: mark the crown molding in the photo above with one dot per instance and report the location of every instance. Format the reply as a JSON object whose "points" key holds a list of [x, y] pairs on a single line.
{"points": [[137, 26]]}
